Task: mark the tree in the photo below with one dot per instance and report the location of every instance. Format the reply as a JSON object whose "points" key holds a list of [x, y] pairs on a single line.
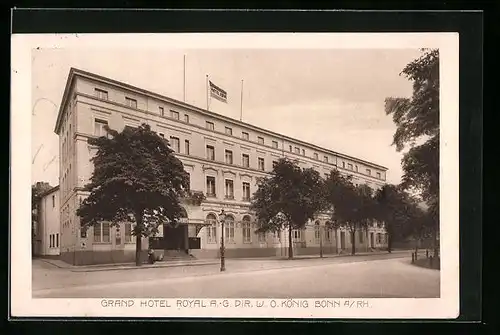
{"points": [[136, 179], [352, 206], [287, 199], [37, 190], [417, 121], [398, 210]]}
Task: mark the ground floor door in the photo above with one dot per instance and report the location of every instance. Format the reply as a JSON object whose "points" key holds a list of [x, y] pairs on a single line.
{"points": [[342, 240], [372, 240], [175, 238]]}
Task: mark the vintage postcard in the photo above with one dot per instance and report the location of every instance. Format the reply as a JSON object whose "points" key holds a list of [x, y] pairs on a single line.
{"points": [[235, 175]]}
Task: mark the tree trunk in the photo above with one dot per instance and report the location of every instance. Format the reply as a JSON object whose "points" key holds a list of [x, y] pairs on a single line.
{"points": [[353, 242], [138, 241], [336, 242], [290, 245], [389, 242], [435, 241]]}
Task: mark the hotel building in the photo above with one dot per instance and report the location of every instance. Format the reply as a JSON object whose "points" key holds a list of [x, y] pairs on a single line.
{"points": [[223, 157]]}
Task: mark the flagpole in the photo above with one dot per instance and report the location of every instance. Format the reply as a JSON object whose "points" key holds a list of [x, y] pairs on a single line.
{"points": [[241, 101], [184, 78], [207, 91]]}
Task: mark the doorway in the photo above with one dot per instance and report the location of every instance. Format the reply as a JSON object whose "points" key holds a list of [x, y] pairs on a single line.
{"points": [[342, 240]]}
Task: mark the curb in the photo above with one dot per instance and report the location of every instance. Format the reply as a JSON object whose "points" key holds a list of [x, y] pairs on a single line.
{"points": [[148, 266]]}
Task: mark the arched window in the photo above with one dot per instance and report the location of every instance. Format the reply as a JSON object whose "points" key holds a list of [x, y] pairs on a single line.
{"points": [[212, 229], [317, 232], [246, 229], [328, 231], [229, 228]]}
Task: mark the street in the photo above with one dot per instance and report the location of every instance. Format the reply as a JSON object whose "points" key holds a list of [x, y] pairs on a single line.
{"points": [[364, 276]]}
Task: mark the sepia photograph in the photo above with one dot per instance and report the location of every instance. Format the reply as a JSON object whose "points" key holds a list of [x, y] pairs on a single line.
{"points": [[178, 176]]}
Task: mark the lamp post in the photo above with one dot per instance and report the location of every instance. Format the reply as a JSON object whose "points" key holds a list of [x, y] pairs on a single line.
{"points": [[222, 219], [321, 241]]}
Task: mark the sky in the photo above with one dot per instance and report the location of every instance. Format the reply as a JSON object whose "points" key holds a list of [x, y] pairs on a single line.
{"points": [[333, 98]]}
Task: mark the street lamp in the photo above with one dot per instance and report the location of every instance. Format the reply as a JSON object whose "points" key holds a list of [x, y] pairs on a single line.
{"points": [[222, 219], [321, 241]]}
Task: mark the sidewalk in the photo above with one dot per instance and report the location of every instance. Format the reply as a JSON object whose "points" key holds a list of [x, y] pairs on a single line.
{"points": [[200, 262]]}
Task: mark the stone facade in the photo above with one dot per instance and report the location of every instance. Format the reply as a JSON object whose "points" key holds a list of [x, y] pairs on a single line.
{"points": [[224, 157]]}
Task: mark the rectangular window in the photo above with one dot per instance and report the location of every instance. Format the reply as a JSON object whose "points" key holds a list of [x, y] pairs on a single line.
{"points": [[210, 186], [246, 191], [99, 127], [245, 136], [290, 147], [245, 160], [210, 153], [229, 131], [83, 232], [186, 118], [229, 189], [260, 140], [97, 232], [50, 241], [356, 168], [105, 232], [128, 232], [174, 115], [316, 155], [297, 150], [274, 164], [162, 111], [174, 142], [369, 172], [275, 145], [186, 147], [210, 125], [131, 102], [261, 164], [229, 157], [303, 152], [57, 240], [101, 94], [325, 159], [53, 201], [379, 175], [343, 165], [349, 166]]}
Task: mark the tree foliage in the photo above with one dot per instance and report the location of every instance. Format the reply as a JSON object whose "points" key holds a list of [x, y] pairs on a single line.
{"points": [[352, 206], [400, 213], [417, 121], [137, 179], [287, 198]]}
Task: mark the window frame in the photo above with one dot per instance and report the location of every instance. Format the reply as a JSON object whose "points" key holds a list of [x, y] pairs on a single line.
{"points": [[227, 194], [210, 125], [186, 147], [230, 152], [173, 140], [174, 115], [214, 194], [247, 156], [131, 102], [275, 144], [228, 130], [261, 164], [260, 140], [245, 198], [101, 94], [245, 135], [212, 148]]}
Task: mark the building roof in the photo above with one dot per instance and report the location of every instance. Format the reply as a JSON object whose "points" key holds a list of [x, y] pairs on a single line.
{"points": [[49, 191], [78, 72]]}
